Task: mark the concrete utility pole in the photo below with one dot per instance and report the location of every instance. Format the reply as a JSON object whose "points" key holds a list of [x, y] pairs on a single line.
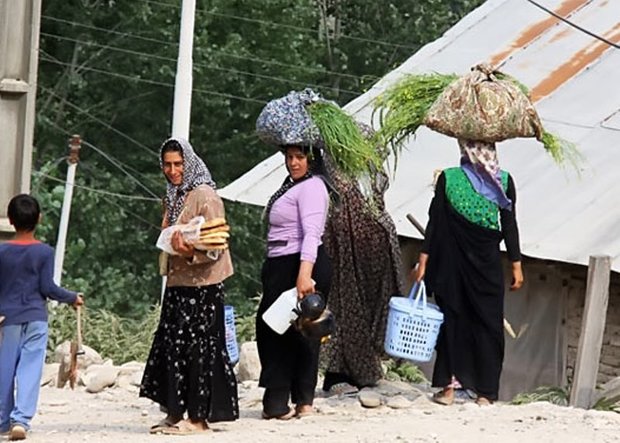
{"points": [[183, 82], [75, 143], [182, 108], [19, 50]]}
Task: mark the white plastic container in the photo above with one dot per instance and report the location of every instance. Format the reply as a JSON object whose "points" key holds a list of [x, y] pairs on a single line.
{"points": [[280, 314]]}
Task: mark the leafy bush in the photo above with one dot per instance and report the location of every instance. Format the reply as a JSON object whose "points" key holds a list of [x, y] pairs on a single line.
{"points": [[402, 370], [246, 324], [112, 336], [120, 338], [552, 394]]}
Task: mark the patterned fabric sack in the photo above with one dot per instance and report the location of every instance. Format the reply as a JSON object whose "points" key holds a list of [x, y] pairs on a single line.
{"points": [[484, 105], [285, 121]]}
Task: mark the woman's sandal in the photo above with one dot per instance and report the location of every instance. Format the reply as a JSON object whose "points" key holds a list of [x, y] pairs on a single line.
{"points": [[161, 425], [184, 428], [444, 397], [290, 414]]}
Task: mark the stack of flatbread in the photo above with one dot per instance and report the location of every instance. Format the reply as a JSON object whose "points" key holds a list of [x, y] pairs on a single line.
{"points": [[214, 235]]}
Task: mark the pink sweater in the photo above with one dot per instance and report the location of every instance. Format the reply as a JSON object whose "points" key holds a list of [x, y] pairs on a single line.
{"points": [[297, 220]]}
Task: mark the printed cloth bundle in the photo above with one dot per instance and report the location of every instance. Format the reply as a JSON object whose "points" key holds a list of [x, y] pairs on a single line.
{"points": [[484, 106], [306, 119], [285, 121]]}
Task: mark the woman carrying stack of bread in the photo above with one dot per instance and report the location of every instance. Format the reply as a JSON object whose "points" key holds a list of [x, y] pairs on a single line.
{"points": [[188, 371]]}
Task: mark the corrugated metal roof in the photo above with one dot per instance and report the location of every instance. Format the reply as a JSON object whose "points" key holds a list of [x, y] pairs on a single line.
{"points": [[574, 80]]}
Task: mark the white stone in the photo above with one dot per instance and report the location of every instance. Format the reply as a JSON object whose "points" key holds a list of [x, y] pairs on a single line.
{"points": [[136, 378], [131, 367], [398, 402], [101, 377], [249, 363], [369, 399], [50, 373]]}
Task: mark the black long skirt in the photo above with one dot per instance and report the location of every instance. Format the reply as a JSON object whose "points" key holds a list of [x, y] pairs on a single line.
{"points": [[188, 368], [289, 361], [465, 274]]}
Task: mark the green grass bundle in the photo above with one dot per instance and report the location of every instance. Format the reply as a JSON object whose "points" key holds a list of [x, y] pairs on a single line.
{"points": [[561, 150], [402, 108], [353, 153]]}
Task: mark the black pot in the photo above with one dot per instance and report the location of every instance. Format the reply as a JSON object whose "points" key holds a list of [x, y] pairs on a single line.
{"points": [[311, 306]]}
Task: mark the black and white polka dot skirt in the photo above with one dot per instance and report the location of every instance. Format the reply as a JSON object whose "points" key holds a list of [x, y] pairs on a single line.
{"points": [[188, 368]]}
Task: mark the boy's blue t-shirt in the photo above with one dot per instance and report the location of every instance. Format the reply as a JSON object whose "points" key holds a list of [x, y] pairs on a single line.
{"points": [[26, 282]]}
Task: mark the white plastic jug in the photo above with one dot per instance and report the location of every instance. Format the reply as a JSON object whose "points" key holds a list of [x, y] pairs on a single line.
{"points": [[280, 314]]}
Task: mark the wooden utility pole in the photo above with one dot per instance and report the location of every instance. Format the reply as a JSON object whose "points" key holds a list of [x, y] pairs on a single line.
{"points": [[592, 328], [19, 55], [75, 143]]}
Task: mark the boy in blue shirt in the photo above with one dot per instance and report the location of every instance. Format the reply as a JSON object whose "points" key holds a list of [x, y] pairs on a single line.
{"points": [[26, 270]]}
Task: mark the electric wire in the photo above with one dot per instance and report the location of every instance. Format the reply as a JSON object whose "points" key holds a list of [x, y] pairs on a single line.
{"points": [[221, 52], [206, 65], [101, 122], [109, 194], [98, 191], [579, 28], [285, 26], [155, 82], [107, 156], [111, 159]]}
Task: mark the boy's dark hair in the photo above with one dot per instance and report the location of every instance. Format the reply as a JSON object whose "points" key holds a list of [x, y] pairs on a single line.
{"points": [[24, 212]]}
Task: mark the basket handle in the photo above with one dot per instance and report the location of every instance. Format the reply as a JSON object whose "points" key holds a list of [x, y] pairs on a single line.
{"points": [[419, 290]]}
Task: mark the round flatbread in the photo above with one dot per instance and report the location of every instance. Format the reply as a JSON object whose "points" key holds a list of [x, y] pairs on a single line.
{"points": [[223, 228], [214, 235], [217, 221]]}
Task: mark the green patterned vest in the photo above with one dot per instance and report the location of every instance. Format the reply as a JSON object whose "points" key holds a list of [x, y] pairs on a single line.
{"points": [[467, 202]]}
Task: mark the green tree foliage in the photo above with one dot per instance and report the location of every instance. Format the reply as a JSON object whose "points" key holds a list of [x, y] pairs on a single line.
{"points": [[107, 72]]}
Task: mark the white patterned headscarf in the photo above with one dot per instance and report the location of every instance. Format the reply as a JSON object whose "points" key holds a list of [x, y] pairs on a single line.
{"points": [[479, 161], [195, 173]]}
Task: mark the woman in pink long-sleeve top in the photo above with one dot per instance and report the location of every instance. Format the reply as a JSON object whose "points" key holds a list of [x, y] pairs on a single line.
{"points": [[295, 258]]}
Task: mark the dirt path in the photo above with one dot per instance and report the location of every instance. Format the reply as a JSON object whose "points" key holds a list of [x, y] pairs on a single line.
{"points": [[118, 415]]}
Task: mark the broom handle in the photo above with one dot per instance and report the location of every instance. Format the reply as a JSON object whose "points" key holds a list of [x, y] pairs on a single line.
{"points": [[79, 327]]}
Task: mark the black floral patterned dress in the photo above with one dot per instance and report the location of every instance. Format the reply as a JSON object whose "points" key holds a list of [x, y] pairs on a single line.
{"points": [[362, 243], [188, 368]]}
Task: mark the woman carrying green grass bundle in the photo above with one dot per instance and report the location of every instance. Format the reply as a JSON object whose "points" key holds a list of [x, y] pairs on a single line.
{"points": [[473, 210], [325, 150]]}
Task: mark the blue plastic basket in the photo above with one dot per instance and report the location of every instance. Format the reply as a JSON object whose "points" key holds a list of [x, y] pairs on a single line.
{"points": [[231, 334], [413, 326]]}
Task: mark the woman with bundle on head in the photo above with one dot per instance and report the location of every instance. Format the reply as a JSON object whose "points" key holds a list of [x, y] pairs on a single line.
{"points": [[309, 130], [188, 369], [362, 243], [296, 215], [472, 212]]}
